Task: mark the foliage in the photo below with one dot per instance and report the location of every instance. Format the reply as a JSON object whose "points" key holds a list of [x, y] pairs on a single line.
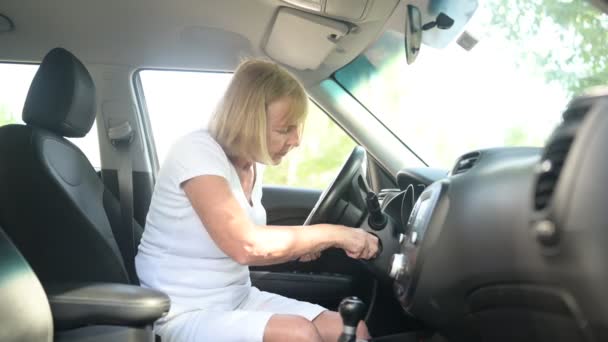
{"points": [[6, 117], [582, 59]]}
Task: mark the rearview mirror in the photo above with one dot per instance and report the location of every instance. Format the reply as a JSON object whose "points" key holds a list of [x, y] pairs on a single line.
{"points": [[435, 23], [413, 33], [450, 17]]}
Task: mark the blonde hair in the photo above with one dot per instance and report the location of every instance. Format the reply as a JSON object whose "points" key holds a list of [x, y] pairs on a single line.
{"points": [[239, 123]]}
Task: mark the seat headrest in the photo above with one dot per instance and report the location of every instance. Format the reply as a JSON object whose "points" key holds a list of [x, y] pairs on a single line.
{"points": [[62, 96]]}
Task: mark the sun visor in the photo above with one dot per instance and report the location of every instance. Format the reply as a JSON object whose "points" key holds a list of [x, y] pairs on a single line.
{"points": [[302, 40]]}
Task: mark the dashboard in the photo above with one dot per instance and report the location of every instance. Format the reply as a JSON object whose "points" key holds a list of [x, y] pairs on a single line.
{"points": [[509, 245]]}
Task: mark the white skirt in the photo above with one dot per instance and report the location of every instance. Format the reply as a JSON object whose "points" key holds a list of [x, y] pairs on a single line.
{"points": [[244, 324]]}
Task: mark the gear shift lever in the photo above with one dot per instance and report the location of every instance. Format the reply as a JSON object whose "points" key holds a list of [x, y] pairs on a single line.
{"points": [[352, 310]]}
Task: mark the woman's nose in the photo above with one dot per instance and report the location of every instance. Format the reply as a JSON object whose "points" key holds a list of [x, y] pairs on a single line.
{"points": [[294, 139]]}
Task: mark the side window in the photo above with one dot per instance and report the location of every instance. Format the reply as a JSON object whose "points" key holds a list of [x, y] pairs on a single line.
{"points": [[179, 102], [14, 85]]}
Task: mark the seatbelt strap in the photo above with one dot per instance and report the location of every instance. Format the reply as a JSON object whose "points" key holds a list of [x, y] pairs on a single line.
{"points": [[121, 137]]}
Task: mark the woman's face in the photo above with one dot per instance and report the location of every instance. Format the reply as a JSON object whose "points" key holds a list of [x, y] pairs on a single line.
{"points": [[282, 136]]}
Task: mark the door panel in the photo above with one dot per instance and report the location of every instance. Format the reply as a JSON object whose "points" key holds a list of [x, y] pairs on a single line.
{"points": [[288, 206], [325, 281]]}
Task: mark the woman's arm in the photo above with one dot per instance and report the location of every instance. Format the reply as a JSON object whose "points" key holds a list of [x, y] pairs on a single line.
{"points": [[249, 244]]}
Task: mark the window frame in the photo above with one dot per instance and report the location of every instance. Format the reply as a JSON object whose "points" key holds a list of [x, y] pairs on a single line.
{"points": [[144, 114]]}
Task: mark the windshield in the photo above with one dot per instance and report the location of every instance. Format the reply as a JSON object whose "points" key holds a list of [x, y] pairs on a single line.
{"points": [[508, 90]]}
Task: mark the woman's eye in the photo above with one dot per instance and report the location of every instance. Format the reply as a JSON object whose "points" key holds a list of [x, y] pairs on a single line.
{"points": [[285, 130]]}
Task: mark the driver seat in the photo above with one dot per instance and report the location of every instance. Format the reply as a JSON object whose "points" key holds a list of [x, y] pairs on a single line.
{"points": [[53, 205]]}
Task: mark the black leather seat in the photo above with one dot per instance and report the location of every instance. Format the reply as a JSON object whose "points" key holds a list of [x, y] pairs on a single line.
{"points": [[25, 314], [53, 205], [80, 312]]}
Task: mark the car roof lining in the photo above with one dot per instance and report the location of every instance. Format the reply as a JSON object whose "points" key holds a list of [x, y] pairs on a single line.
{"points": [[178, 34]]}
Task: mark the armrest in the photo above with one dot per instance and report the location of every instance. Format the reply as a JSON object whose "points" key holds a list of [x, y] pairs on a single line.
{"points": [[75, 305]]}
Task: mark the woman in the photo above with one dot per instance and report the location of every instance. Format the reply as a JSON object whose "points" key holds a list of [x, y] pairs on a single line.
{"points": [[206, 223]]}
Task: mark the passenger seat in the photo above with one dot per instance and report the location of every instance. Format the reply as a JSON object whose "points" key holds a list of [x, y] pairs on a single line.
{"points": [[25, 314], [61, 217]]}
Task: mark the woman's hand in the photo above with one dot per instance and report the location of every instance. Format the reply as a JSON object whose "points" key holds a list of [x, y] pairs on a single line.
{"points": [[359, 244], [310, 257]]}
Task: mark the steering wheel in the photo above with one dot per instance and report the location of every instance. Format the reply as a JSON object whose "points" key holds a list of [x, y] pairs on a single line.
{"points": [[338, 186], [387, 237]]}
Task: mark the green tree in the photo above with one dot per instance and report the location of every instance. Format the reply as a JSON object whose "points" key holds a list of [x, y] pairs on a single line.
{"points": [[6, 117], [519, 135], [582, 60]]}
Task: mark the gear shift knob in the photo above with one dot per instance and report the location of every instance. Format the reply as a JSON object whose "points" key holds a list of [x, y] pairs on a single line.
{"points": [[352, 310]]}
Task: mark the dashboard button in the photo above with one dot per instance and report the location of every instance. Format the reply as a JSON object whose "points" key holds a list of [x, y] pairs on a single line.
{"points": [[414, 238], [398, 265]]}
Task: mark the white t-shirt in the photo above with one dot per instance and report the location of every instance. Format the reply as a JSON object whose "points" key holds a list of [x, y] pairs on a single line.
{"points": [[176, 254]]}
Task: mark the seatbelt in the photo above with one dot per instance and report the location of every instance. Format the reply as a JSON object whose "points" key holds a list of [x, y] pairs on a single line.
{"points": [[121, 137]]}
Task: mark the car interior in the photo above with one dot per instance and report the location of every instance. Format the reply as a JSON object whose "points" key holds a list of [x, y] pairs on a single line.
{"points": [[505, 244]]}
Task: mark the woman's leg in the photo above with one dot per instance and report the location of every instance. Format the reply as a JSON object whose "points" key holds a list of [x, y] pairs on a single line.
{"points": [[281, 328], [329, 324], [217, 326]]}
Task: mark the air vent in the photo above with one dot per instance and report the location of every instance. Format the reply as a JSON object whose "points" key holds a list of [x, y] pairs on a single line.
{"points": [[465, 162], [551, 165]]}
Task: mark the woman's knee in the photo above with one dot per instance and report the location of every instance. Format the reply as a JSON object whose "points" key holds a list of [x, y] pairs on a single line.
{"points": [[329, 324], [307, 332], [290, 328]]}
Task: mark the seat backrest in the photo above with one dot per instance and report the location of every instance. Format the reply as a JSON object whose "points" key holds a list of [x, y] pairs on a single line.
{"points": [[25, 314], [53, 205]]}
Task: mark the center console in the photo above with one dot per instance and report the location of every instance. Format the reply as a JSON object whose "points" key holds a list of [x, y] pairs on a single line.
{"points": [[406, 264]]}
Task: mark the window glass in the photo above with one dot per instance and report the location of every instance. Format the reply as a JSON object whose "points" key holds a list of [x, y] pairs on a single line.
{"points": [[509, 90]]}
